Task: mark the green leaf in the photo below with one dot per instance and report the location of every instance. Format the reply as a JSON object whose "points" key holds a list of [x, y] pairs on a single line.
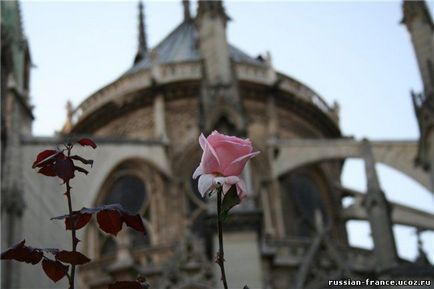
{"points": [[230, 200]]}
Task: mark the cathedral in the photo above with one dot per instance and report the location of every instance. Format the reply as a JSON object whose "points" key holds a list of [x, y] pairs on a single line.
{"points": [[290, 233]]}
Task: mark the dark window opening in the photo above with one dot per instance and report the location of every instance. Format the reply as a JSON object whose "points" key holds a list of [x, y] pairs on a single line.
{"points": [[302, 195], [226, 127], [128, 191]]}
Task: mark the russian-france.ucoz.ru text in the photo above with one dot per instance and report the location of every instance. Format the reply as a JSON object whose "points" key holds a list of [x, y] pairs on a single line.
{"points": [[369, 282]]}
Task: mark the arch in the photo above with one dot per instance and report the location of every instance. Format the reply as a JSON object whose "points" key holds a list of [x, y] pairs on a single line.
{"points": [[131, 168], [140, 170], [186, 162], [303, 193], [397, 154], [184, 165], [228, 112], [111, 155]]}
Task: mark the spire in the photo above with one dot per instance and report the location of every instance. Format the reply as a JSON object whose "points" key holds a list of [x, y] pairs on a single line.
{"points": [[421, 28], [186, 5], [143, 47], [413, 10], [213, 9]]}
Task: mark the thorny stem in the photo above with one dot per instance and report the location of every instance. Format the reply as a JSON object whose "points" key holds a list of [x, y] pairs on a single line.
{"points": [[220, 254], [74, 239]]}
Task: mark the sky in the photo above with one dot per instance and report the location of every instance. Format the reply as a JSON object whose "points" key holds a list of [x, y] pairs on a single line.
{"points": [[355, 53]]}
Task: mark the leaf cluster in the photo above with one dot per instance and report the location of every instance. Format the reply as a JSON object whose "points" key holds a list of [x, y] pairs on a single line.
{"points": [[110, 218]]}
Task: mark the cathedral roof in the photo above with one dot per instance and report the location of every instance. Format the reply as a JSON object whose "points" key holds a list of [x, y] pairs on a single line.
{"points": [[181, 45]]}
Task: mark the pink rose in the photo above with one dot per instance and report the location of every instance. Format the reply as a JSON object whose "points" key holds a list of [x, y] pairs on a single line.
{"points": [[223, 160]]}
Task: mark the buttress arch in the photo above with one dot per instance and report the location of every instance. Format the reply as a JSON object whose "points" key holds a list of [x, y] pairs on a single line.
{"points": [[400, 155]]}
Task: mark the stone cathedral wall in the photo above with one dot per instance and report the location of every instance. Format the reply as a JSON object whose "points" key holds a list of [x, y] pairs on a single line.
{"points": [[138, 124]]}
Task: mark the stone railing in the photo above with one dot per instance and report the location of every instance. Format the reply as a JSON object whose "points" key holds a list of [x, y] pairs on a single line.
{"points": [[252, 73], [111, 92], [179, 71], [173, 72], [162, 74], [267, 76], [304, 92]]}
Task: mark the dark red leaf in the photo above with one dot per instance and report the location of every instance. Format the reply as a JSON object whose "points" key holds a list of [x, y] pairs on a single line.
{"points": [[54, 269], [33, 256], [64, 169], [73, 258], [22, 253], [87, 142], [134, 222], [77, 220], [43, 156], [48, 170], [126, 285], [84, 161], [110, 221], [81, 170], [7, 254]]}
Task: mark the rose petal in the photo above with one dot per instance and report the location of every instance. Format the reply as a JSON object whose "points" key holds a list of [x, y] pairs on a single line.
{"points": [[202, 141], [198, 172], [232, 180], [241, 189], [247, 156], [205, 184], [228, 182], [215, 136], [236, 167], [209, 162], [227, 151]]}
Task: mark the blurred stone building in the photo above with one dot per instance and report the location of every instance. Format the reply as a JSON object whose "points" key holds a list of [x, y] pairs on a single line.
{"points": [[290, 233]]}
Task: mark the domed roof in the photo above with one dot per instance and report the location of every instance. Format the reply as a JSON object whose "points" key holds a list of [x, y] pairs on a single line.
{"points": [[180, 57], [181, 45]]}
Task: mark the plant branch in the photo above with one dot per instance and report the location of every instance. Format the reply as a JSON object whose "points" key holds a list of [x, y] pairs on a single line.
{"points": [[220, 254], [73, 237]]}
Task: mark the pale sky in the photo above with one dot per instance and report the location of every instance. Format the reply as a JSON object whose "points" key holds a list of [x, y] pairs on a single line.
{"points": [[355, 53]]}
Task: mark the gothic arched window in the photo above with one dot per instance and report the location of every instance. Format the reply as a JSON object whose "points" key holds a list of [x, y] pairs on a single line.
{"points": [[130, 192], [300, 194]]}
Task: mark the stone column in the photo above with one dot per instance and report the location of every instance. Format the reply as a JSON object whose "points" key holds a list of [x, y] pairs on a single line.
{"points": [[266, 209], [220, 97], [160, 118], [379, 213], [421, 28], [211, 22], [273, 120], [12, 205]]}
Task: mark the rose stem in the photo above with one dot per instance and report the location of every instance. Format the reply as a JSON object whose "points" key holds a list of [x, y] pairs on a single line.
{"points": [[220, 254], [74, 242]]}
